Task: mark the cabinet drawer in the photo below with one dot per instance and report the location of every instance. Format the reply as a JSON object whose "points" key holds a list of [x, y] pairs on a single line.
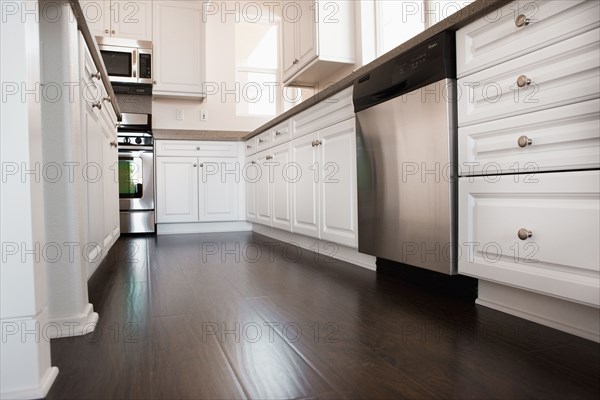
{"points": [[281, 133], [563, 138], [330, 111], [497, 38], [561, 211], [185, 148], [564, 73], [263, 141]]}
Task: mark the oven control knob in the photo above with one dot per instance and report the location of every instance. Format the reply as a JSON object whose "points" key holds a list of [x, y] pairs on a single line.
{"points": [[138, 140], [126, 140]]}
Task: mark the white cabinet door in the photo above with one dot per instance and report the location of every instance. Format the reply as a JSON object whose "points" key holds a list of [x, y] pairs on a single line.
{"points": [[92, 175], [263, 190], [177, 189], [305, 192], [97, 15], [218, 195], [281, 187], [537, 232], [178, 48], [288, 48], [132, 19], [337, 148], [306, 32], [251, 176], [110, 178]]}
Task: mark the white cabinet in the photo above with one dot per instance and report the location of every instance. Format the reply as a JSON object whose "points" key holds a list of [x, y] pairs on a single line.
{"points": [[305, 190], [264, 207], [281, 187], [204, 188], [317, 39], [100, 168], [178, 49], [120, 19], [538, 232], [176, 189]]}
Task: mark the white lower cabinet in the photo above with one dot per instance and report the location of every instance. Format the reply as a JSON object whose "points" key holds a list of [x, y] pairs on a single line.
{"points": [[197, 189], [537, 232], [176, 189], [308, 186]]}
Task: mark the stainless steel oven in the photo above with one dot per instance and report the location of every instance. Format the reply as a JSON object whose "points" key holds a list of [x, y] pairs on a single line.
{"points": [[136, 174]]}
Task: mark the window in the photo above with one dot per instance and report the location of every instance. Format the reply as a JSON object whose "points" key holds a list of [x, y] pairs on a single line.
{"points": [[397, 21], [256, 51]]}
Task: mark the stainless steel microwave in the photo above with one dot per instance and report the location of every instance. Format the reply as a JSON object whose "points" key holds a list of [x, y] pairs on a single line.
{"points": [[127, 61]]}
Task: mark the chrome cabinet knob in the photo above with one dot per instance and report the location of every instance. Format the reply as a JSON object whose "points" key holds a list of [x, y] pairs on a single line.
{"points": [[107, 98], [261, 140], [253, 162], [317, 143], [524, 234], [155, 82], [296, 61], [197, 147], [201, 165], [248, 146], [524, 141], [106, 31], [195, 165], [113, 32], [277, 133], [113, 144], [523, 81], [98, 105], [269, 158], [521, 21], [96, 75]]}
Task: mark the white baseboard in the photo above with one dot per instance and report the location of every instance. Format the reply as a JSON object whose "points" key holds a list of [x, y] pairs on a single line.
{"points": [[574, 318], [73, 325], [39, 392], [203, 227], [338, 251]]}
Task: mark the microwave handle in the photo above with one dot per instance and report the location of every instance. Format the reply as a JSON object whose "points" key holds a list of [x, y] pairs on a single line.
{"points": [[134, 63]]}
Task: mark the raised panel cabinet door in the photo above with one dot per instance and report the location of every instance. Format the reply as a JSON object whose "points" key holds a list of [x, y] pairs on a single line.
{"points": [[110, 180], [132, 19], [251, 174], [289, 43], [282, 189], [92, 176], [178, 47], [176, 189], [337, 148], [218, 189], [307, 33], [264, 207], [97, 15], [305, 188]]}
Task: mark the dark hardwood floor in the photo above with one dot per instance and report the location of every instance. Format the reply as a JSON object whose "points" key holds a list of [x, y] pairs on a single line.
{"points": [[226, 316]]}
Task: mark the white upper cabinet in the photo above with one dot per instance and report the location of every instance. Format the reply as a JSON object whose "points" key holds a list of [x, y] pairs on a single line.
{"points": [[317, 39], [178, 46], [120, 19]]}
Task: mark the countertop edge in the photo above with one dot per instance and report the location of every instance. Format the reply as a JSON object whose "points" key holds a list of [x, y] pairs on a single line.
{"points": [[193, 134], [95, 52], [477, 9]]}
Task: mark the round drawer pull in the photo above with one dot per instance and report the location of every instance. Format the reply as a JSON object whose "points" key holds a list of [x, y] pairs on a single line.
{"points": [[277, 133], [523, 81], [195, 165], [96, 75], [524, 234], [248, 146], [98, 105], [201, 165], [521, 21], [524, 141], [269, 158], [197, 147], [261, 140]]}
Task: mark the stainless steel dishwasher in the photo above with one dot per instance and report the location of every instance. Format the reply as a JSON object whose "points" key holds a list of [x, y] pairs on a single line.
{"points": [[407, 157]]}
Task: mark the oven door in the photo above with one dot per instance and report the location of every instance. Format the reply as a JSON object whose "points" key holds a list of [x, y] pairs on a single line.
{"points": [[121, 63], [136, 179]]}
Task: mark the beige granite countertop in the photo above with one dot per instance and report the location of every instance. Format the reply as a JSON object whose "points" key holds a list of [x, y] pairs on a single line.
{"points": [[184, 134], [474, 11]]}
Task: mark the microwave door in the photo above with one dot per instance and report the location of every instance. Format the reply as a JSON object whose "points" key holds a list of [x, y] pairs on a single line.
{"points": [[121, 63]]}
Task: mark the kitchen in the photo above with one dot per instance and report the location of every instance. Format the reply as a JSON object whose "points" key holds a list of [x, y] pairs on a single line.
{"points": [[238, 202]]}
